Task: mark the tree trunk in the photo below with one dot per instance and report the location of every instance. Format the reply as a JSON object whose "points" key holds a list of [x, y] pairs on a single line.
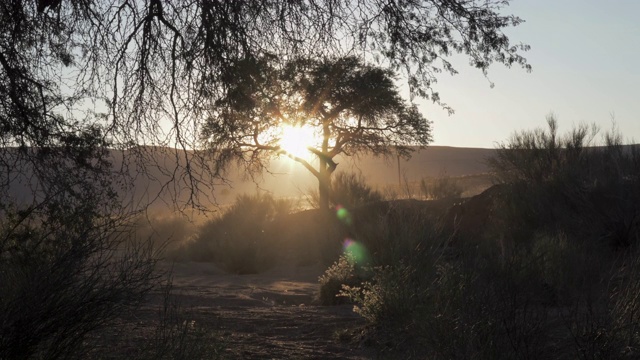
{"points": [[324, 186], [324, 192]]}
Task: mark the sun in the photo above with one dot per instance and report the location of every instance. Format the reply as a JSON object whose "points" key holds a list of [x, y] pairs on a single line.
{"points": [[295, 140]]}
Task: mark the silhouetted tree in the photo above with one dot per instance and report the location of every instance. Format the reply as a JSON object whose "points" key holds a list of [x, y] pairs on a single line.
{"points": [[353, 108], [144, 71], [78, 77]]}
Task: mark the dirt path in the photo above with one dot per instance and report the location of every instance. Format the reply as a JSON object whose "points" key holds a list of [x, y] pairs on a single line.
{"points": [[270, 315]]}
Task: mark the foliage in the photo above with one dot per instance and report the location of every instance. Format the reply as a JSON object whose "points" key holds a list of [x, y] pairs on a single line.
{"points": [[245, 239], [467, 306], [63, 276], [344, 272], [157, 68], [549, 277], [566, 182], [538, 156], [378, 300], [153, 62], [443, 187], [353, 107], [349, 190]]}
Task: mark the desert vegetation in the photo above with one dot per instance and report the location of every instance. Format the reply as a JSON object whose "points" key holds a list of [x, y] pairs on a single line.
{"points": [[551, 273], [109, 106], [246, 238], [541, 265], [443, 187]]}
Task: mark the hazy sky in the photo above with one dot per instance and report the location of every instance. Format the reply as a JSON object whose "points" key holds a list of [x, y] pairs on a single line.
{"points": [[586, 67]]}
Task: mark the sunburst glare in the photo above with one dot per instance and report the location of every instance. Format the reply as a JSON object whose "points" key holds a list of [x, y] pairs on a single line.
{"points": [[296, 139]]}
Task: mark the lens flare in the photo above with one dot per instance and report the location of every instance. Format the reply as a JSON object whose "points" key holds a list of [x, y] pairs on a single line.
{"points": [[356, 251], [343, 214]]}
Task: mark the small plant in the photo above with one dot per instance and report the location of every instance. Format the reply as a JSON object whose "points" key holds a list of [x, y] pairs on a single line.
{"points": [[343, 272], [178, 336], [381, 300]]}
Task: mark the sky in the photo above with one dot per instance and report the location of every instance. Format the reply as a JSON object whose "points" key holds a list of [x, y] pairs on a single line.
{"points": [[585, 56]]}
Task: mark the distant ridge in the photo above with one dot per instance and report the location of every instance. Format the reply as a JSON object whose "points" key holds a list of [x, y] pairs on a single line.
{"points": [[285, 178], [288, 179]]}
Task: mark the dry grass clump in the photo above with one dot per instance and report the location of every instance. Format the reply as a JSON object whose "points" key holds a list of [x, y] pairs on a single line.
{"points": [[344, 272], [177, 335]]}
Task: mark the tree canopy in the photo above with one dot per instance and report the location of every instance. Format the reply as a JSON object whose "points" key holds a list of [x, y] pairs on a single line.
{"points": [[79, 78], [145, 71], [351, 107]]}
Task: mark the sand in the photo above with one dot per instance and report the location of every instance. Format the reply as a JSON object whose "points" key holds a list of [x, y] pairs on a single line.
{"points": [[271, 315]]}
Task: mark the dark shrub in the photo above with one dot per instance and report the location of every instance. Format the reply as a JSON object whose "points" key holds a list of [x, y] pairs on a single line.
{"points": [[443, 187], [64, 275], [567, 183], [349, 190], [242, 240]]}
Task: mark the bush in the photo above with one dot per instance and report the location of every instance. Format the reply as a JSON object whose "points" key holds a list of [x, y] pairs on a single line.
{"points": [[344, 272], [348, 190], [244, 239], [63, 275], [443, 187], [540, 284], [454, 309], [392, 231], [380, 300], [566, 183]]}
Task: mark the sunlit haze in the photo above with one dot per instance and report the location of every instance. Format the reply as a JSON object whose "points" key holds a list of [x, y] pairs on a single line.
{"points": [[296, 140], [584, 55]]}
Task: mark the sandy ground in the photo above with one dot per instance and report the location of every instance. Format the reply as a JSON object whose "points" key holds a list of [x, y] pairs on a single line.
{"points": [[270, 315]]}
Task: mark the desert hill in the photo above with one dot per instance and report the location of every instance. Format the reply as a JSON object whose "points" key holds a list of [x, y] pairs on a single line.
{"points": [[288, 179], [159, 174]]}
